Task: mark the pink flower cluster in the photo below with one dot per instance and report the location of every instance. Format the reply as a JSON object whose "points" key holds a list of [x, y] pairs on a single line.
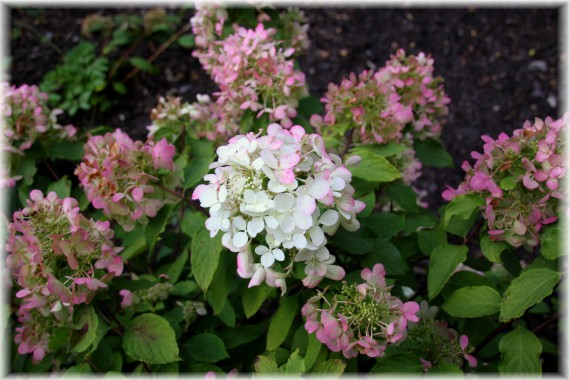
{"points": [[129, 180], [519, 177], [26, 117], [59, 259], [435, 343], [201, 119], [412, 77], [360, 319], [253, 70], [282, 192], [368, 109]]}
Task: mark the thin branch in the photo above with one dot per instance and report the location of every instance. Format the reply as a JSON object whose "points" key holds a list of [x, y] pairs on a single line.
{"points": [[50, 170], [491, 336], [191, 202], [42, 38], [160, 50], [553, 317], [92, 364]]}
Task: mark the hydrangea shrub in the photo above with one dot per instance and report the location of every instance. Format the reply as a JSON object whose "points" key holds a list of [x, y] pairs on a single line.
{"points": [[339, 261]]}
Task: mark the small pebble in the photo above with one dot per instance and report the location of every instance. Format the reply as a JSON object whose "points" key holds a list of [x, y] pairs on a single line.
{"points": [[538, 66], [496, 108], [552, 101], [343, 52]]}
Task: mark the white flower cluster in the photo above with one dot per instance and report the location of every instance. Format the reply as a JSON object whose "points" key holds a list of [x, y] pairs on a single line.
{"points": [[280, 192]]}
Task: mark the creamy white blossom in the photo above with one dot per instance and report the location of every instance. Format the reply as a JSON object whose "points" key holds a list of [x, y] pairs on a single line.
{"points": [[279, 194]]}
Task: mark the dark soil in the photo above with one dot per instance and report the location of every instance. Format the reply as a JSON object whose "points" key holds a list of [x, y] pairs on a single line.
{"points": [[500, 67]]}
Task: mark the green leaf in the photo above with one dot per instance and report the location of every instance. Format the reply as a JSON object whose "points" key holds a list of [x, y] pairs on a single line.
{"points": [[550, 242], [120, 88], [404, 196], [85, 332], [142, 64], [384, 150], [281, 322], [446, 368], [520, 350], [309, 106], [429, 240], [461, 212], [431, 153], [295, 364], [192, 222], [204, 257], [263, 364], [149, 338], [374, 168], [67, 150], [252, 298], [444, 260], [389, 255], [186, 41], [222, 282], [472, 302], [135, 243], [175, 269], [528, 289], [492, 249], [508, 183], [62, 187], [207, 348], [313, 348], [59, 337], [357, 242], [385, 224], [157, 225], [404, 362], [333, 367], [196, 170], [235, 337]]}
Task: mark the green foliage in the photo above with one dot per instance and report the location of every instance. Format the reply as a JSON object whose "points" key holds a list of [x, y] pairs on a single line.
{"points": [[206, 347], [520, 350], [78, 82], [281, 322], [430, 152], [461, 212], [374, 167], [527, 290], [150, 339], [551, 246], [472, 302], [444, 260], [205, 253]]}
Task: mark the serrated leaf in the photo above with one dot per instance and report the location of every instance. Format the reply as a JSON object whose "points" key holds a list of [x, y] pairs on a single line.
{"points": [[67, 150], [263, 364], [157, 225], [404, 362], [384, 150], [431, 153], [62, 187], [175, 269], [357, 242], [385, 224], [252, 298], [520, 350], [222, 282], [313, 349], [295, 365], [333, 367], [461, 213], [207, 348], [404, 196], [492, 249], [204, 257], [309, 106], [528, 289], [550, 242], [444, 260], [429, 240], [85, 331], [149, 338], [389, 255], [374, 168], [196, 170], [281, 322], [472, 302], [192, 222], [235, 337]]}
